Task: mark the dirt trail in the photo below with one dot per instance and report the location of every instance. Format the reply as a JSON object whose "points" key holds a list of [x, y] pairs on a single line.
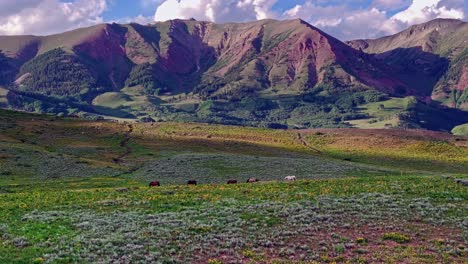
{"points": [[124, 144], [307, 144]]}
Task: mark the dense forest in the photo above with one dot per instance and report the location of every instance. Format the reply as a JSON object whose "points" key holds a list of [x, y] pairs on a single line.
{"points": [[58, 73]]}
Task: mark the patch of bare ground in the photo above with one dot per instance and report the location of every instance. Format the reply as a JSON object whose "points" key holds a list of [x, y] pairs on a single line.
{"points": [[124, 144], [365, 242], [361, 243]]}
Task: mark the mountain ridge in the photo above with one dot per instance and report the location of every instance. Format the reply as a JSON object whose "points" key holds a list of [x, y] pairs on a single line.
{"points": [[89, 43], [438, 47], [247, 73]]}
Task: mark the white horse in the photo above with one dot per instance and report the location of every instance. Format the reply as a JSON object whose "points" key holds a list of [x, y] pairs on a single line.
{"points": [[290, 178]]}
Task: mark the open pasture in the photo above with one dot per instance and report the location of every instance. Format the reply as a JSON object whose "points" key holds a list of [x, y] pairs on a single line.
{"points": [[76, 191], [393, 219]]}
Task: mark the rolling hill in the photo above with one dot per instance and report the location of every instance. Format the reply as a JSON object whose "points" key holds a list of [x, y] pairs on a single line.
{"points": [[265, 73], [76, 191]]}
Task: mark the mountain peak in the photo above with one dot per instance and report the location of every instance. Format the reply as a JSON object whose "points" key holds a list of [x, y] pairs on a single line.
{"points": [[436, 24], [435, 53], [430, 36], [441, 22]]}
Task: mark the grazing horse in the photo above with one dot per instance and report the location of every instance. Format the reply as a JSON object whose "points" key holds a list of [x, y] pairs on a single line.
{"points": [[252, 180], [462, 182], [154, 184], [232, 182], [290, 178], [192, 182]]}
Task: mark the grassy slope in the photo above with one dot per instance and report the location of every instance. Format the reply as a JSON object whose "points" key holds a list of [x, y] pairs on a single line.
{"points": [[407, 112], [63, 197], [126, 100], [3, 98], [379, 118], [395, 148], [185, 145], [461, 130]]}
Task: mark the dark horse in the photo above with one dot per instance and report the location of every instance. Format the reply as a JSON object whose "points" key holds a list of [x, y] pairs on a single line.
{"points": [[154, 184]]}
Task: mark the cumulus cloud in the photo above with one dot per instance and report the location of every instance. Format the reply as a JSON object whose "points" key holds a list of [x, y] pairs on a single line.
{"points": [[48, 16], [140, 19], [150, 3], [345, 19], [341, 21], [344, 22], [215, 10], [9, 7], [424, 10]]}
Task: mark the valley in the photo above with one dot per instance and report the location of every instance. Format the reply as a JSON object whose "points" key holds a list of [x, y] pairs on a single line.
{"points": [[362, 195]]}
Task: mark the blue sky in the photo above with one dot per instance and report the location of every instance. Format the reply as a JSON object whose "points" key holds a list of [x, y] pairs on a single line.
{"points": [[118, 9], [344, 19], [121, 8]]}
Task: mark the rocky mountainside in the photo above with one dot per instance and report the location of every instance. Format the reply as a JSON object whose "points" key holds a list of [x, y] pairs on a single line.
{"points": [[291, 56], [268, 72], [434, 55]]}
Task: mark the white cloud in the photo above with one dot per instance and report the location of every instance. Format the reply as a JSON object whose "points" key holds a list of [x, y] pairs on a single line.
{"points": [[423, 10], [341, 21], [140, 19], [49, 16], [344, 22], [215, 10], [345, 19], [150, 3], [8, 7]]}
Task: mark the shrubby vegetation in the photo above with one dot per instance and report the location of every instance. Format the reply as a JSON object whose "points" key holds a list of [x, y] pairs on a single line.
{"points": [[308, 221], [58, 73], [146, 76], [36, 105], [65, 199], [309, 110], [451, 77], [420, 115], [461, 130], [57, 81], [6, 71]]}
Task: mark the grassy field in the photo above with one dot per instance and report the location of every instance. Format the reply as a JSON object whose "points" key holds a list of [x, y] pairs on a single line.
{"points": [[382, 114], [113, 220], [406, 150], [75, 191], [461, 130], [3, 98], [128, 103]]}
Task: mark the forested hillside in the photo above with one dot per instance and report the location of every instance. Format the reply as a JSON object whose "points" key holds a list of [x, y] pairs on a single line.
{"points": [[265, 73]]}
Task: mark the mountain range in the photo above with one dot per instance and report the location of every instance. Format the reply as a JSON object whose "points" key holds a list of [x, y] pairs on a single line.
{"points": [[265, 73]]}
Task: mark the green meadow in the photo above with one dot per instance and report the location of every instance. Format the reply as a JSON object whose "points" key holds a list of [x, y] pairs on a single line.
{"points": [[75, 191]]}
